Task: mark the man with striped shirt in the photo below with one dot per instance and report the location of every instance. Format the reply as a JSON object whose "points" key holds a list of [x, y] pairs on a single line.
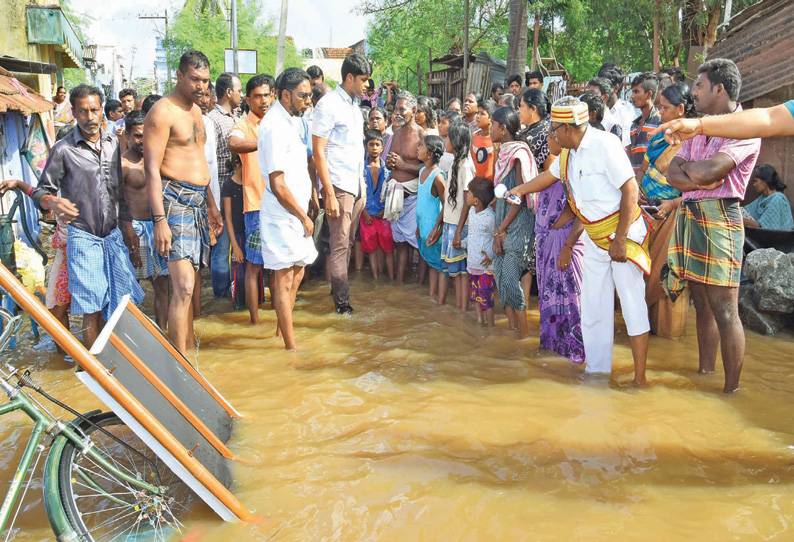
{"points": [[643, 93], [706, 247]]}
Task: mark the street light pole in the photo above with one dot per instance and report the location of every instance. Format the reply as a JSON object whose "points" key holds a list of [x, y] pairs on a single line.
{"points": [[466, 49], [233, 35], [167, 44], [282, 37], [167, 48]]}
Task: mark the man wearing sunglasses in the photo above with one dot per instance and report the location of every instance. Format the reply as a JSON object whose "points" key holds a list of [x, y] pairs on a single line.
{"points": [[286, 228], [338, 130]]}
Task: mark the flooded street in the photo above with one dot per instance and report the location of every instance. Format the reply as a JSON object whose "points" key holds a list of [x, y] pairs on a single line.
{"points": [[409, 422]]}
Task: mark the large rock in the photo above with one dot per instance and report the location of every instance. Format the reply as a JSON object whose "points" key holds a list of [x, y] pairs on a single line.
{"points": [[772, 273], [752, 318]]}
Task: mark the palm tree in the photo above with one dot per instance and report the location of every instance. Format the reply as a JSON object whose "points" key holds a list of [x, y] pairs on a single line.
{"points": [[517, 37]]}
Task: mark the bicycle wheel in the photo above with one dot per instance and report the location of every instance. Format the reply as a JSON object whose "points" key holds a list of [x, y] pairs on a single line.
{"points": [[101, 506]]}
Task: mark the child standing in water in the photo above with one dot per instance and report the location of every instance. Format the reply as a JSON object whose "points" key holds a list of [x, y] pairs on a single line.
{"points": [[428, 207], [514, 235], [456, 212], [375, 231], [479, 246]]}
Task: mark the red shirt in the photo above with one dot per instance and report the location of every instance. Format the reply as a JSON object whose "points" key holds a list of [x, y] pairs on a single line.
{"points": [[483, 156]]}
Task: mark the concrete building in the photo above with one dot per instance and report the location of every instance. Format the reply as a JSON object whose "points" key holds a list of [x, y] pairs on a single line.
{"points": [[330, 59], [110, 70], [160, 66], [37, 41]]}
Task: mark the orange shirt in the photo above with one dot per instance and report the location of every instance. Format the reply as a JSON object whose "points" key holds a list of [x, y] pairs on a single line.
{"points": [[483, 156], [253, 183]]}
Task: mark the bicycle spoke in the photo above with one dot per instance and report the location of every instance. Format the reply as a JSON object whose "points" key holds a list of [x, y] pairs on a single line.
{"points": [[117, 517], [107, 507]]}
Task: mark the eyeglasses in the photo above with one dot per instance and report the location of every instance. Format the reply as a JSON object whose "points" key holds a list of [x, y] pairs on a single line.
{"points": [[302, 95], [552, 129]]}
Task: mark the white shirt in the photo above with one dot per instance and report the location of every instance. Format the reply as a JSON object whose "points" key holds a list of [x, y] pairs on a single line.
{"points": [[210, 147], [623, 113], [280, 148], [480, 239], [466, 173], [337, 118], [596, 171]]}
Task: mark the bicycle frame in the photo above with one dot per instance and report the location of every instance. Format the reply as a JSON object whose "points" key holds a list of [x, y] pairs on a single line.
{"points": [[43, 424]]}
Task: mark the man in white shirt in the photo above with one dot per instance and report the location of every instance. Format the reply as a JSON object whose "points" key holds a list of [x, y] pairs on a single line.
{"points": [[602, 192], [285, 226], [337, 136], [210, 147], [622, 111], [612, 124]]}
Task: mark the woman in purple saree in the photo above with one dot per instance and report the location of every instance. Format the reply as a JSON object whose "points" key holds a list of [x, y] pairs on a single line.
{"points": [[558, 289]]}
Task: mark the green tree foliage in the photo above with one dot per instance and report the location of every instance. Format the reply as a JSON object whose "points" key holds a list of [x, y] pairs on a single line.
{"points": [[208, 32], [401, 33], [581, 33], [73, 77]]}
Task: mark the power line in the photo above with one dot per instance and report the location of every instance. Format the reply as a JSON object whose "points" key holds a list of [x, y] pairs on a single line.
{"points": [[163, 17]]}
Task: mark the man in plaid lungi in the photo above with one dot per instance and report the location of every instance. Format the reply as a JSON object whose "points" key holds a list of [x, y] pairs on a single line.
{"points": [[706, 247], [149, 265], [177, 176]]}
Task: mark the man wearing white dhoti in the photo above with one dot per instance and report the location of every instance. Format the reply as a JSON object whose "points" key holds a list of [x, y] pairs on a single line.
{"points": [[287, 244], [602, 192]]}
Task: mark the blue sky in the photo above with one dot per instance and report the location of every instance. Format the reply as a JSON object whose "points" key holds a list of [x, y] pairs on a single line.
{"points": [[310, 22]]}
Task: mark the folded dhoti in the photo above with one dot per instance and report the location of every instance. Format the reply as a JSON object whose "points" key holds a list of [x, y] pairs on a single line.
{"points": [[400, 209], [100, 272]]}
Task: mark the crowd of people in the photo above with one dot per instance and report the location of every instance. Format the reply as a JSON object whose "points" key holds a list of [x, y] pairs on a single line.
{"points": [[588, 196]]}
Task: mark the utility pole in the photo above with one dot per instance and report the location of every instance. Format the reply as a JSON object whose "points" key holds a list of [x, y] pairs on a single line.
{"points": [[132, 61], [233, 36], [466, 49], [167, 47], [282, 37], [163, 17]]}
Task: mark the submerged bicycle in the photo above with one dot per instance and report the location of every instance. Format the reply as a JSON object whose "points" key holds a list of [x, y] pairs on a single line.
{"points": [[101, 482]]}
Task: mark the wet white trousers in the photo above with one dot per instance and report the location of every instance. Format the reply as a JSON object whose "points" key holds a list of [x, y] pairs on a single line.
{"points": [[601, 278]]}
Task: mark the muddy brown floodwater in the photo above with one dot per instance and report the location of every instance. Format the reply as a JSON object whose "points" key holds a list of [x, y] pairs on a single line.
{"points": [[409, 422]]}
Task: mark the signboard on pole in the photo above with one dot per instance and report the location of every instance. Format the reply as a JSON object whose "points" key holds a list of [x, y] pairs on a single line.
{"points": [[246, 61]]}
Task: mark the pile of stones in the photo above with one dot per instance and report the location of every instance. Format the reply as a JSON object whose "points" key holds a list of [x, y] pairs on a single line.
{"points": [[766, 304]]}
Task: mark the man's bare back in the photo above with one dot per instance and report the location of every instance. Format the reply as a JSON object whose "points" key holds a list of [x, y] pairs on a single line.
{"points": [[183, 159], [405, 144], [134, 184]]}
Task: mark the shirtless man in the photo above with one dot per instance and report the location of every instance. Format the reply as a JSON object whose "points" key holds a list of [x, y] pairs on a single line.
{"points": [[403, 161], [177, 177], [148, 263]]}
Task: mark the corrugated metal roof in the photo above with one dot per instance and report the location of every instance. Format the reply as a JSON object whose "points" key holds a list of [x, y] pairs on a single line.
{"points": [[16, 96], [760, 39]]}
